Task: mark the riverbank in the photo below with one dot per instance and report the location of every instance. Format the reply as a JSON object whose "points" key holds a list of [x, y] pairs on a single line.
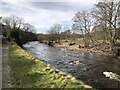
{"points": [[101, 49], [29, 72]]}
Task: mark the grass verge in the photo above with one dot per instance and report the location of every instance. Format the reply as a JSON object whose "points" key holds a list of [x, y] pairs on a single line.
{"points": [[29, 72]]}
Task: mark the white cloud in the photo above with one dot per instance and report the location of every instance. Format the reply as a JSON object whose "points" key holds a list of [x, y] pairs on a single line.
{"points": [[11, 1], [82, 1], [43, 18]]}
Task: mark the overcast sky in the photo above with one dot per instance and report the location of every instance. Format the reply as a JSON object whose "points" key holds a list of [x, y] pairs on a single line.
{"points": [[44, 14]]}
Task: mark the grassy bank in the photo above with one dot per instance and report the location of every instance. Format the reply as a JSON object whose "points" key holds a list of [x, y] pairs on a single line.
{"points": [[29, 72], [100, 49]]}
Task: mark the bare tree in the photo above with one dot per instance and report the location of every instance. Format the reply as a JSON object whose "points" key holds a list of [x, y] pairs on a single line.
{"points": [[83, 22], [118, 15], [13, 22], [106, 13], [13, 25], [28, 28], [54, 32], [15, 29], [0, 19]]}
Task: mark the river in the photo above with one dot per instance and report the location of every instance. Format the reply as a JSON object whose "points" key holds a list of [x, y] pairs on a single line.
{"points": [[87, 67]]}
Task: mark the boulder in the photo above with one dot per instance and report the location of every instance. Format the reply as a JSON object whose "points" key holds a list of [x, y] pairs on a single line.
{"points": [[51, 43], [72, 43]]}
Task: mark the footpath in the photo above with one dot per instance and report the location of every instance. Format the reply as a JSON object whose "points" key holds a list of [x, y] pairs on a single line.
{"points": [[5, 69]]}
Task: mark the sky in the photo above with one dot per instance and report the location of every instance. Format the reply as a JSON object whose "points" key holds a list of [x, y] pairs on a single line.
{"points": [[44, 13]]}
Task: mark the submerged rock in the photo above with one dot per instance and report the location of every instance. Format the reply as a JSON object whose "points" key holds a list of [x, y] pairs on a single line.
{"points": [[75, 62]]}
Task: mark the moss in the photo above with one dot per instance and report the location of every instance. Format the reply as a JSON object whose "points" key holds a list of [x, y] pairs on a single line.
{"points": [[29, 72]]}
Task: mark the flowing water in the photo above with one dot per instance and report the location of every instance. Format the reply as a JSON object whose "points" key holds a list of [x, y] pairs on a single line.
{"points": [[87, 67]]}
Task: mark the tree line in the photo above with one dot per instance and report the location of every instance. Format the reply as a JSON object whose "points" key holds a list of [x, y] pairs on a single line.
{"points": [[100, 25], [14, 28]]}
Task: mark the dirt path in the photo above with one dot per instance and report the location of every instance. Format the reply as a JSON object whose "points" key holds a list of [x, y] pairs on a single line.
{"points": [[0, 66], [5, 69]]}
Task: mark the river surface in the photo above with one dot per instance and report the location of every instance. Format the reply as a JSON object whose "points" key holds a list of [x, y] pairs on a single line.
{"points": [[87, 67]]}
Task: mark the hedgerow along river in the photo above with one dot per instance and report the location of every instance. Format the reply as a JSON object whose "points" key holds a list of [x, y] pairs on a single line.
{"points": [[87, 67]]}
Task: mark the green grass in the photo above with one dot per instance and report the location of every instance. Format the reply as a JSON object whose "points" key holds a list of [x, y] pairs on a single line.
{"points": [[29, 72]]}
